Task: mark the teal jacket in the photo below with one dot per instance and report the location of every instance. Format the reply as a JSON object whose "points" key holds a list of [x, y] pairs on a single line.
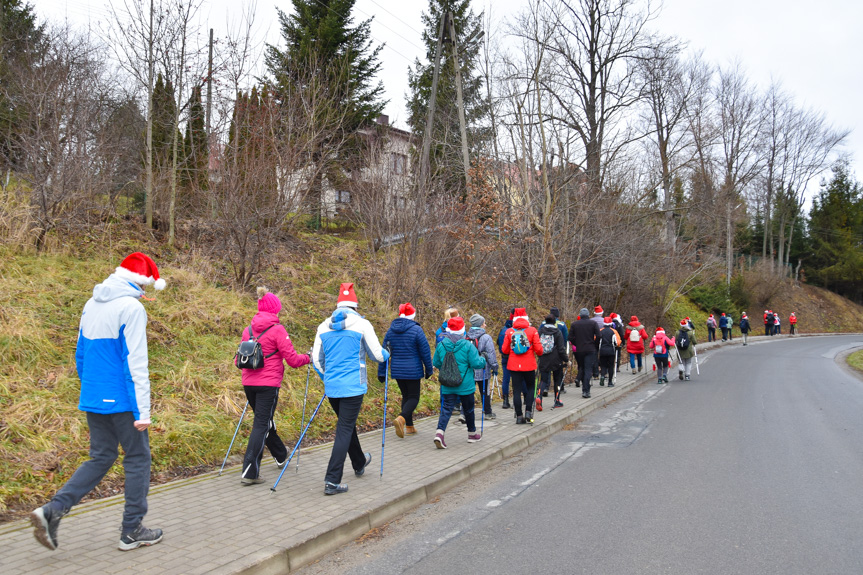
{"points": [[467, 357]]}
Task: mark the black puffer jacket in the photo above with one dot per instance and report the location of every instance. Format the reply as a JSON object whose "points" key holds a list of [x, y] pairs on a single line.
{"points": [[557, 357]]}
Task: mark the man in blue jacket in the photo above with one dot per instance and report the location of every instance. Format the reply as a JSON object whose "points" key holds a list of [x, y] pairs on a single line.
{"points": [[504, 382], [342, 343], [112, 364], [410, 362]]}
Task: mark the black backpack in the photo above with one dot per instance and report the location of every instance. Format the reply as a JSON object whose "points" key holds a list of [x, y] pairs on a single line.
{"points": [[683, 339], [249, 354], [450, 375], [606, 341]]}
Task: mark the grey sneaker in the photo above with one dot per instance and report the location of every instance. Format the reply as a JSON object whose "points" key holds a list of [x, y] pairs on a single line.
{"points": [[141, 536], [280, 464], [334, 488], [251, 480], [45, 521], [359, 472]]}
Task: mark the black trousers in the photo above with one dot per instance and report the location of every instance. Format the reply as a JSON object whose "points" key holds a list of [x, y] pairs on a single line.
{"points": [[262, 400], [585, 360], [724, 333], [346, 441], [523, 385], [410, 389], [545, 378], [606, 367]]}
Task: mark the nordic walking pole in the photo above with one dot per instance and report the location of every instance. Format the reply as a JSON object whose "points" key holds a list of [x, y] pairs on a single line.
{"points": [[384, 430], [305, 395], [235, 437], [482, 417], [299, 441]]}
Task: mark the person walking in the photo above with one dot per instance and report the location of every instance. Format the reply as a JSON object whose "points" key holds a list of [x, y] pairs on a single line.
{"points": [[410, 362], [262, 386], [599, 321], [484, 344], [730, 327], [561, 325], [504, 358], [745, 328], [467, 359], [583, 334], [792, 321], [609, 345], [768, 322], [711, 328], [113, 367], [448, 313], [723, 326], [521, 343], [636, 337], [342, 343], [661, 345], [552, 360], [777, 327], [621, 331], [685, 342]]}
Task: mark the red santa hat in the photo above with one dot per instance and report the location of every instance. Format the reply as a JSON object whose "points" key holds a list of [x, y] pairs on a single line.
{"points": [[140, 269], [659, 330], [613, 316], [519, 313], [455, 325], [406, 310], [597, 309], [608, 321], [347, 296], [683, 322], [744, 314], [723, 315]]}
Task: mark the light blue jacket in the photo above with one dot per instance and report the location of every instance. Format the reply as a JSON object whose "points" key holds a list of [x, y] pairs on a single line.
{"points": [[339, 354], [111, 357]]}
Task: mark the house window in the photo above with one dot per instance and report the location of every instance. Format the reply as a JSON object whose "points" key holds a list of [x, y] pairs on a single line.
{"points": [[400, 162], [343, 197]]}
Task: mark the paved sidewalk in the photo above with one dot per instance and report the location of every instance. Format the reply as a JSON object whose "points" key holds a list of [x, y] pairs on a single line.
{"points": [[214, 525]]}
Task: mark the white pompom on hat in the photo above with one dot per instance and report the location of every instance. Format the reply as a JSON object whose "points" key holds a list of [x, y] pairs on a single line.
{"points": [[347, 296], [140, 269]]}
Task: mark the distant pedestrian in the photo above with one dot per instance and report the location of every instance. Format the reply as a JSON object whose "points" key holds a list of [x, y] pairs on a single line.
{"points": [[504, 358], [621, 331], [768, 322], [521, 343], [685, 343], [792, 321], [342, 343], [467, 359], [561, 325], [777, 327], [636, 337], [448, 313], [598, 319], [608, 349], [584, 334], [661, 345], [745, 328], [554, 357], [112, 364], [723, 326], [410, 362], [485, 346], [711, 328], [262, 386]]}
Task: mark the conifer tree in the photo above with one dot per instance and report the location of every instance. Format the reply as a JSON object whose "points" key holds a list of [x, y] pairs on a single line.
{"points": [[195, 146]]}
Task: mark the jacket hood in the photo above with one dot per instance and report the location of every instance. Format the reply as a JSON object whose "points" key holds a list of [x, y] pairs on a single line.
{"points": [[521, 323], [634, 324], [402, 324], [115, 287], [263, 320], [507, 324], [548, 328], [686, 328], [343, 318], [451, 340], [475, 332]]}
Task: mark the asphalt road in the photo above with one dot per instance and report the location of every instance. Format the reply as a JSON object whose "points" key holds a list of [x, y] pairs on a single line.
{"points": [[753, 467]]}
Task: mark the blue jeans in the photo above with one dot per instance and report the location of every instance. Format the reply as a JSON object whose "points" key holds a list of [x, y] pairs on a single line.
{"points": [[107, 431], [632, 357], [448, 402]]}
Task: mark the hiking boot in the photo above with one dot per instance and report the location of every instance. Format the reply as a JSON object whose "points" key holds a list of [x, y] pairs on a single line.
{"points": [[506, 404], [359, 472], [557, 403], [686, 378], [584, 395], [539, 404], [438, 439], [680, 375], [519, 420], [45, 521], [664, 379], [545, 394], [140, 537], [528, 416], [610, 385], [251, 480], [490, 415], [410, 430], [601, 382], [335, 488], [577, 384], [399, 424], [474, 437], [633, 371]]}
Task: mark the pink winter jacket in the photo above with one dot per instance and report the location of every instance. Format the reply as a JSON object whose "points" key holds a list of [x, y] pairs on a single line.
{"points": [[278, 340]]}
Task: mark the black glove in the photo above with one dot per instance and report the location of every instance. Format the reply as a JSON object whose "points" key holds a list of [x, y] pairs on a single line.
{"points": [[381, 378], [429, 375]]}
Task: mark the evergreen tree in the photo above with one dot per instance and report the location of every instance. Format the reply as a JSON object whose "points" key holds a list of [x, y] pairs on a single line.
{"points": [[836, 235], [445, 156], [195, 146], [21, 42], [329, 65], [164, 107]]}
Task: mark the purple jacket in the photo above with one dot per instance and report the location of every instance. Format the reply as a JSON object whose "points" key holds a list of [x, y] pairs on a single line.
{"points": [[275, 340]]}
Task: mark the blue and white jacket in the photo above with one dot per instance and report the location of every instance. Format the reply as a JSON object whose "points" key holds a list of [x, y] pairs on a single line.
{"points": [[339, 354], [111, 356]]}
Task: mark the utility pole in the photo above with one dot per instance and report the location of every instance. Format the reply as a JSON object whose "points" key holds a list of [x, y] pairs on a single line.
{"points": [[459, 100]]}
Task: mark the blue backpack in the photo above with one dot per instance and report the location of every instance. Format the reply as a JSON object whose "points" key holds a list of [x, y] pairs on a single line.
{"points": [[518, 342]]}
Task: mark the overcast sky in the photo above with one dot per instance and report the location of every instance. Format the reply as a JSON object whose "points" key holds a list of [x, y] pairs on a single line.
{"points": [[808, 46]]}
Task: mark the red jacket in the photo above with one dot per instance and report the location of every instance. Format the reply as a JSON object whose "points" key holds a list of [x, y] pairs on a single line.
{"points": [[525, 361], [275, 340], [635, 346], [792, 319]]}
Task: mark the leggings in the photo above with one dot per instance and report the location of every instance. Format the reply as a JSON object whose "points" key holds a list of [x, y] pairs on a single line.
{"points": [[410, 389]]}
